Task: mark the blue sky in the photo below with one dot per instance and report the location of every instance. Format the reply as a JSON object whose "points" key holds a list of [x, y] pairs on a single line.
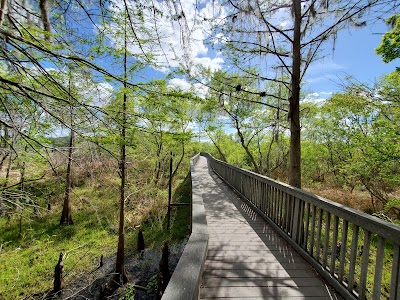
{"points": [[354, 55]]}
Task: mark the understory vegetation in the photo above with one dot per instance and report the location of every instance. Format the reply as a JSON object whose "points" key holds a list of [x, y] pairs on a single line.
{"points": [[32, 238], [103, 102]]}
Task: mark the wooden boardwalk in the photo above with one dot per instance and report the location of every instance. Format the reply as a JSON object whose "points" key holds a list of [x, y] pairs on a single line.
{"points": [[246, 258]]}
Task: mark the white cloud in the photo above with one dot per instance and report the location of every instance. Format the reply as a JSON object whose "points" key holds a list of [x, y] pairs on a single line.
{"points": [[324, 66], [317, 98], [102, 93], [169, 38], [318, 79], [214, 64], [180, 83]]}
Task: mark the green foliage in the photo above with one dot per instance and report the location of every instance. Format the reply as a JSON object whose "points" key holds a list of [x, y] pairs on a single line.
{"points": [[389, 49], [152, 285], [28, 256], [257, 120], [129, 294], [354, 139]]}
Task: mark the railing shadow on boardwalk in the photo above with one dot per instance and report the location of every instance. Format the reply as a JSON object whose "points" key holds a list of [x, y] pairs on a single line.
{"points": [[358, 254], [272, 270]]}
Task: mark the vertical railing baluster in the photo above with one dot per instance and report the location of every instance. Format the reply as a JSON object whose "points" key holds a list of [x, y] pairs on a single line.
{"points": [[292, 214], [258, 194], [279, 207], [343, 250], [252, 190], [326, 239], [378, 268], [302, 218], [364, 265], [296, 219], [276, 205], [395, 282], [319, 229], [271, 203], [312, 237], [249, 187], [306, 227], [287, 213], [334, 244], [242, 183], [246, 184], [281, 200], [353, 257], [264, 196], [268, 205], [300, 230]]}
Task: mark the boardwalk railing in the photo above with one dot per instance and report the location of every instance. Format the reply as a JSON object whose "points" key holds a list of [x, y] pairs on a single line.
{"points": [[185, 281], [356, 253]]}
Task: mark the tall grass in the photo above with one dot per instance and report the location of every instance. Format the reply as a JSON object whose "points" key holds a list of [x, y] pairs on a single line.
{"points": [[30, 243]]}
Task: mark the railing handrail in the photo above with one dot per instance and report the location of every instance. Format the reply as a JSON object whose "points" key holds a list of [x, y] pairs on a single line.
{"points": [[185, 281], [385, 229], [293, 213]]}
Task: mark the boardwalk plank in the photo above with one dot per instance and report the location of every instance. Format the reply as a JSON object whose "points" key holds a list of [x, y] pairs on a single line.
{"points": [[260, 282], [246, 258], [264, 291], [219, 265], [246, 273]]}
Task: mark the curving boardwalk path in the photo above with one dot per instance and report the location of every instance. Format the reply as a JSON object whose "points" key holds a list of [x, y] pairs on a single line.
{"points": [[246, 259]]}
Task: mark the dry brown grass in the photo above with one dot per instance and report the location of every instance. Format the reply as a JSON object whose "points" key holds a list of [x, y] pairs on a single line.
{"points": [[357, 199]]}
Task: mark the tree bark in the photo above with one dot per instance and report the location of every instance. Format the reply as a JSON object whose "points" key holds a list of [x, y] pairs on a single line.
{"points": [[45, 18], [3, 8], [58, 283], [294, 100], [221, 154], [159, 159], [119, 265], [246, 148], [8, 170], [66, 217]]}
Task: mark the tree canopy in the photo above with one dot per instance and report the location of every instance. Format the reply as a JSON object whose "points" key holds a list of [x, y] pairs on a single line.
{"points": [[389, 49]]}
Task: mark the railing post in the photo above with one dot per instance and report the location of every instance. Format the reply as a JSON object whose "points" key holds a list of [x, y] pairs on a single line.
{"points": [[303, 219], [297, 220]]}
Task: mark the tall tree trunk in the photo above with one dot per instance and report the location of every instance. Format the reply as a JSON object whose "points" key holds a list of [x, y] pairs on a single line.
{"points": [[159, 159], [3, 8], [119, 265], [246, 148], [221, 154], [22, 172], [6, 154], [45, 19], [66, 217], [180, 160], [294, 109], [8, 170], [10, 158]]}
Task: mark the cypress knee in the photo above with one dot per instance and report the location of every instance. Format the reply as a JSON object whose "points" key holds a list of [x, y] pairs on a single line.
{"points": [[164, 269], [58, 275], [140, 241]]}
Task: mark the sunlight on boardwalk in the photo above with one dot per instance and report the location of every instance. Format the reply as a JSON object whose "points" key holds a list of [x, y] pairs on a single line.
{"points": [[246, 259]]}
